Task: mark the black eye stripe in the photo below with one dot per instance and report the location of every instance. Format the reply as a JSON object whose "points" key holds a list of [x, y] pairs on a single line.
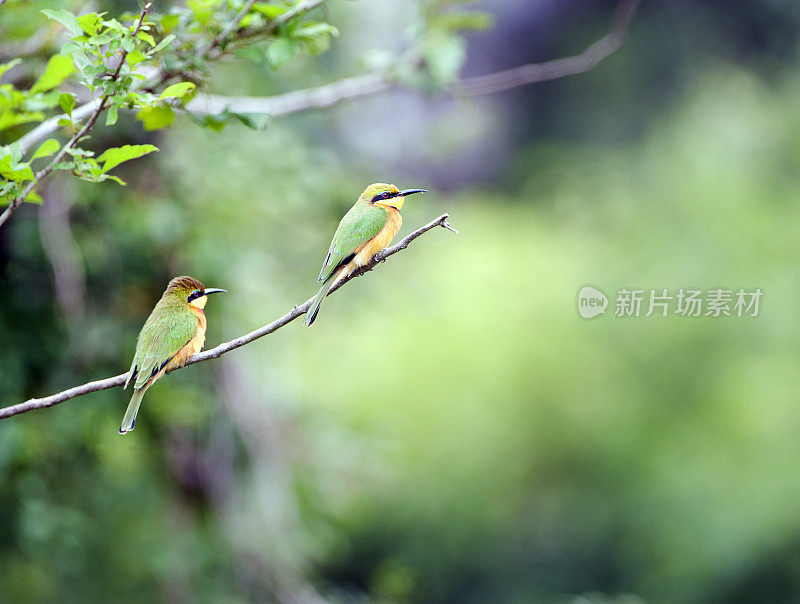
{"points": [[384, 195]]}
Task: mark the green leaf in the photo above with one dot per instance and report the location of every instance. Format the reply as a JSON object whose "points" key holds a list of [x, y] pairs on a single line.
{"points": [[57, 70], [6, 66], [114, 178], [67, 102], [155, 117], [116, 155], [116, 26], [254, 54], [316, 37], [66, 18], [41, 101], [134, 58], [111, 116], [146, 37], [16, 172], [164, 43], [177, 91], [468, 20], [254, 121], [34, 197], [79, 59], [89, 22], [268, 10], [9, 119], [310, 30], [444, 56], [14, 151], [281, 51], [215, 123], [46, 149]]}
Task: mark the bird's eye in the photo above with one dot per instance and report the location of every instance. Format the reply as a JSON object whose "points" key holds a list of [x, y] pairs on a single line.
{"points": [[193, 295], [386, 195]]}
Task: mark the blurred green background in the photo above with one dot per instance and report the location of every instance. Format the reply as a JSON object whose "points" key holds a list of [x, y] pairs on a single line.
{"points": [[450, 430]]}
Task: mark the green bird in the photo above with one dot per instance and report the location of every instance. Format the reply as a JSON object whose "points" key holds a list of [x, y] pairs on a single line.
{"points": [[174, 331], [367, 228]]}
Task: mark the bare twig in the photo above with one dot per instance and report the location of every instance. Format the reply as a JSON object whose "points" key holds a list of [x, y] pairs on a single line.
{"points": [[292, 102], [559, 68], [372, 83], [213, 353], [101, 105]]}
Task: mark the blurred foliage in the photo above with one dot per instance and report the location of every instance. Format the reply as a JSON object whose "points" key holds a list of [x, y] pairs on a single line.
{"points": [[450, 429], [142, 67]]}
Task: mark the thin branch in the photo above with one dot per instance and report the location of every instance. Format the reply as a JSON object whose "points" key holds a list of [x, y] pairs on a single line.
{"points": [[213, 353], [559, 68], [101, 105], [372, 83], [223, 35], [347, 88], [204, 49], [50, 126], [292, 102], [218, 42]]}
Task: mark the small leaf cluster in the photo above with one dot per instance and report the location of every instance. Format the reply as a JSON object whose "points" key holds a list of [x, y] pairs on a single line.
{"points": [[106, 54], [145, 65], [152, 63], [440, 39], [103, 54]]}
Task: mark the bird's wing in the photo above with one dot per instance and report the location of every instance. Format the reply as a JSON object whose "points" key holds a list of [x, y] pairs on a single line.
{"points": [[160, 339], [358, 226]]}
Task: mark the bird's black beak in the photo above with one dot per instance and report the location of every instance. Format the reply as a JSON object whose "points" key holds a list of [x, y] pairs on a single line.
{"points": [[214, 290], [410, 192]]}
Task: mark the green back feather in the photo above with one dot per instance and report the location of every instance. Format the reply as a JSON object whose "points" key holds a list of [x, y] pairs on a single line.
{"points": [[358, 226], [168, 328]]}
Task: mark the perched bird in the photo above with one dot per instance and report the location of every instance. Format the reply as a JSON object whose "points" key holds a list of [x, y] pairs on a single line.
{"points": [[174, 331], [367, 228]]}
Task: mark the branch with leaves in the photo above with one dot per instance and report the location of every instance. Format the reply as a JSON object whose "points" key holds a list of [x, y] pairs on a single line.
{"points": [[213, 353], [373, 83], [171, 54], [150, 66], [82, 161]]}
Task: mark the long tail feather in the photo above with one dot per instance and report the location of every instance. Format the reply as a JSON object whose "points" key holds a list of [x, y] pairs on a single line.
{"points": [[313, 310], [129, 420]]}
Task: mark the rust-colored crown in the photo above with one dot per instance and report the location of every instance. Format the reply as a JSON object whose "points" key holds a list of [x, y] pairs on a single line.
{"points": [[185, 283]]}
